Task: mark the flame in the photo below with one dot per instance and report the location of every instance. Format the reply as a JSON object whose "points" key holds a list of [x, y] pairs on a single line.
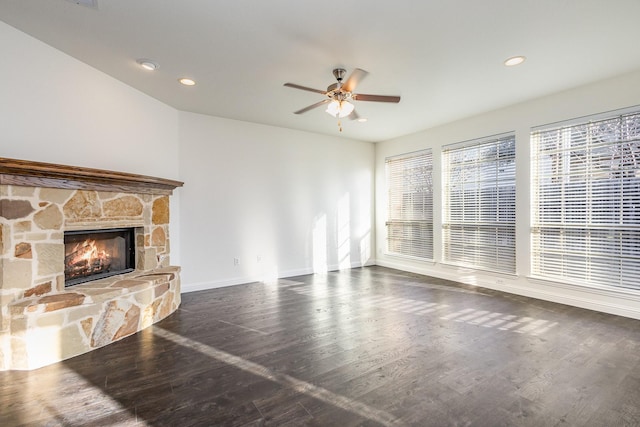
{"points": [[88, 251], [86, 258]]}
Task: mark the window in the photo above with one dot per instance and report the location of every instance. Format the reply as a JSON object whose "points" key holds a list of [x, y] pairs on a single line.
{"points": [[410, 222], [479, 203], [586, 201]]}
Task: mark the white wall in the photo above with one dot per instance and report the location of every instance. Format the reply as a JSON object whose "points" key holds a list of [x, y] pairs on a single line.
{"points": [[56, 109], [282, 202], [301, 202], [616, 93]]}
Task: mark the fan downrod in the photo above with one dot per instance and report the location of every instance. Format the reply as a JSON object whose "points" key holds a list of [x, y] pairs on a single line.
{"points": [[339, 73]]}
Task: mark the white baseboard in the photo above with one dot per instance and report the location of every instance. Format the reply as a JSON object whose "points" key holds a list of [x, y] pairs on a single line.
{"points": [[213, 284], [607, 301], [610, 301]]}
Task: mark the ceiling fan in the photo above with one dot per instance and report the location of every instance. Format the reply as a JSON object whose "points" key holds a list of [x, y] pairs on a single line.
{"points": [[339, 94]]}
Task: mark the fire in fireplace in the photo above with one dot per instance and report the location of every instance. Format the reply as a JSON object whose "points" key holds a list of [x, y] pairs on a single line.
{"points": [[95, 254]]}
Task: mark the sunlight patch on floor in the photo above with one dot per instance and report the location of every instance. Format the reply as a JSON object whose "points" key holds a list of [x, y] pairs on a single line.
{"points": [[501, 321], [300, 386], [98, 407]]}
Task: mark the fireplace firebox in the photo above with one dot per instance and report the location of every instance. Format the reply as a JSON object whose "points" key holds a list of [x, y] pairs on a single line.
{"points": [[96, 254]]}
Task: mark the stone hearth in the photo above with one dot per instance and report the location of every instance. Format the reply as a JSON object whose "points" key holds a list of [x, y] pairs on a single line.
{"points": [[41, 322]]}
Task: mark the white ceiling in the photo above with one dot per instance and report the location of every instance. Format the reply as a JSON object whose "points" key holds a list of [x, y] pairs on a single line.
{"points": [[444, 57]]}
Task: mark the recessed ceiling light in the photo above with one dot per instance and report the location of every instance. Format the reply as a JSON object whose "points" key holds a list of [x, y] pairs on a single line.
{"points": [[514, 60], [362, 119], [148, 64], [187, 82]]}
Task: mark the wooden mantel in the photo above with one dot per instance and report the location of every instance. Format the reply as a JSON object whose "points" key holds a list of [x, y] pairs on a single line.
{"points": [[38, 174]]}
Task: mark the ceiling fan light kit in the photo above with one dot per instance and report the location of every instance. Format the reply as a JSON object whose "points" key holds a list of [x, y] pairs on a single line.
{"points": [[339, 94], [340, 109]]}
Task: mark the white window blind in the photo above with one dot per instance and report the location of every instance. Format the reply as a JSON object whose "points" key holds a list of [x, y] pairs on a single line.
{"points": [[479, 203], [410, 211], [586, 201]]}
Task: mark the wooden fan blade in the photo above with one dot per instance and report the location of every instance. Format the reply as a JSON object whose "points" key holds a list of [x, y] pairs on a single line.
{"points": [[356, 75], [295, 86], [375, 98], [311, 107]]}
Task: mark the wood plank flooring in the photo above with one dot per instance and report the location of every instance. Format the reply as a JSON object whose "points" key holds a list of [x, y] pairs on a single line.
{"points": [[363, 347]]}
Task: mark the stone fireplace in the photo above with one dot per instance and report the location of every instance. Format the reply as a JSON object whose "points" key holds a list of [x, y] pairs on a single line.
{"points": [[95, 254], [42, 321]]}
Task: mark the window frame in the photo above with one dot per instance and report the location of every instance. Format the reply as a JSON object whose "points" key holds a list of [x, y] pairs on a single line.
{"points": [[483, 234], [410, 221], [575, 238]]}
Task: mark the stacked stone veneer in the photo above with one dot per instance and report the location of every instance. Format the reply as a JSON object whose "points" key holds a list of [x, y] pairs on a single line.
{"points": [[41, 322]]}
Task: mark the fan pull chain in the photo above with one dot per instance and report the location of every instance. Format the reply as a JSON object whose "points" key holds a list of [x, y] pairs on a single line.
{"points": [[339, 125]]}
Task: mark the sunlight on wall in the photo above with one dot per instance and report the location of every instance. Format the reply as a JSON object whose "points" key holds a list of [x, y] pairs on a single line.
{"points": [[362, 211], [465, 277], [365, 248], [269, 273], [43, 346], [343, 238], [257, 243], [320, 263]]}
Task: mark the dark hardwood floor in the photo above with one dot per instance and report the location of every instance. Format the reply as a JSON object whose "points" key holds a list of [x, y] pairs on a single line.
{"points": [[364, 347]]}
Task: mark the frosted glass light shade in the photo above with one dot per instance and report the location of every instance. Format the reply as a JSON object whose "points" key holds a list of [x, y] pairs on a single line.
{"points": [[340, 108]]}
